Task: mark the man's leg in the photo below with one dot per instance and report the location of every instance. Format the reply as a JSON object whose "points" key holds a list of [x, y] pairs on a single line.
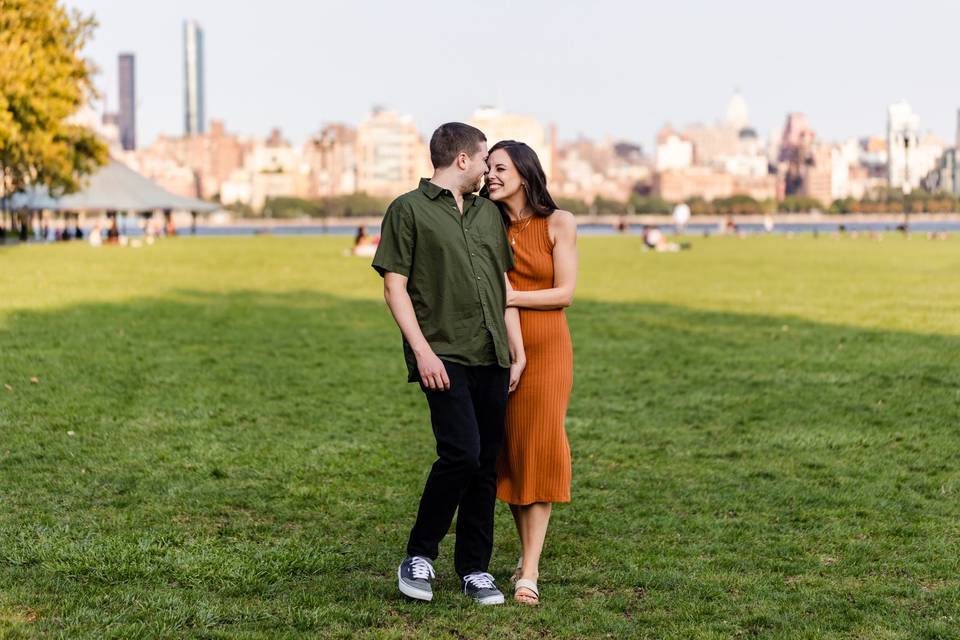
{"points": [[458, 449], [474, 543]]}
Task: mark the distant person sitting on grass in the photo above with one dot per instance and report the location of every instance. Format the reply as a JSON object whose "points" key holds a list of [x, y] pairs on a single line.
{"points": [[364, 244], [654, 240], [113, 233], [443, 256]]}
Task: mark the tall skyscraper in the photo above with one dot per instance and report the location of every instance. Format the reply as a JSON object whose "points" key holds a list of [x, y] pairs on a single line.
{"points": [[127, 117], [738, 115], [903, 140], [194, 112], [957, 140]]}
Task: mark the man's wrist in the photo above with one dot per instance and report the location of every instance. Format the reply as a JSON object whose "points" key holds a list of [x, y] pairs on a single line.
{"points": [[422, 350]]}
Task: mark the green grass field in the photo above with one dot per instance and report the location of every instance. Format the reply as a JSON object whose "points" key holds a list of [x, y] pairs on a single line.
{"points": [[220, 444]]}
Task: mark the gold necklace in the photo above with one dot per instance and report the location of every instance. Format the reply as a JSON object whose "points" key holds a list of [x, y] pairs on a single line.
{"points": [[513, 240]]}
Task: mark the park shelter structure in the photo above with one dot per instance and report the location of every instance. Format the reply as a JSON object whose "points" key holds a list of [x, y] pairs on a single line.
{"points": [[114, 188]]}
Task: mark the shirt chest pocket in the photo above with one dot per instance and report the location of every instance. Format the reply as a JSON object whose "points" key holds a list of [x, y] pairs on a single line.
{"points": [[489, 247]]}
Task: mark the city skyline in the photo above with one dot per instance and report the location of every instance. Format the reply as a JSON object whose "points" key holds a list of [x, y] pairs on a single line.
{"points": [[604, 72]]}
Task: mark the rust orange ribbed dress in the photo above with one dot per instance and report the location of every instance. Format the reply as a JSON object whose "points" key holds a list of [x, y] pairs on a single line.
{"points": [[534, 463]]}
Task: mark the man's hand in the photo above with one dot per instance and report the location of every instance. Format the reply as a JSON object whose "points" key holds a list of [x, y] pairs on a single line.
{"points": [[432, 372], [516, 370]]}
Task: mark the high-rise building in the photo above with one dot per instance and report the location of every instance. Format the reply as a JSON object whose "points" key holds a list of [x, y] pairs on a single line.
{"points": [[957, 139], [903, 137], [209, 158], [194, 112], [127, 118], [331, 155], [738, 115], [796, 155], [910, 155], [391, 155], [673, 150], [498, 125], [610, 169]]}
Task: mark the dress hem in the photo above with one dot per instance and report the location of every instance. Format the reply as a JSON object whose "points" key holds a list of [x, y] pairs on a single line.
{"points": [[524, 503]]}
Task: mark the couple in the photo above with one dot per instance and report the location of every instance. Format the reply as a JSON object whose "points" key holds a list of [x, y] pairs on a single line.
{"points": [[477, 286]]}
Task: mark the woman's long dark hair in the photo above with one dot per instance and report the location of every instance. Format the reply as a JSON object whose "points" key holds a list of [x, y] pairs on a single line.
{"points": [[531, 172]]}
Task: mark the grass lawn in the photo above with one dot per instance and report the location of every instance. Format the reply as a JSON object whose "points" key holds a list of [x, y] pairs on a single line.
{"points": [[220, 443]]}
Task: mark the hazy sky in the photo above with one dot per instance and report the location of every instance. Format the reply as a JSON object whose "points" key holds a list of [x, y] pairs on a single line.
{"points": [[594, 67]]}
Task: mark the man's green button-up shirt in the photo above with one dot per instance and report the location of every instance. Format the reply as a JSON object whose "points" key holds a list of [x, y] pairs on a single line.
{"points": [[455, 265]]}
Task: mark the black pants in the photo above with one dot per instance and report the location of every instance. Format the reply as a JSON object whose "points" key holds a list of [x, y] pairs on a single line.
{"points": [[468, 425]]}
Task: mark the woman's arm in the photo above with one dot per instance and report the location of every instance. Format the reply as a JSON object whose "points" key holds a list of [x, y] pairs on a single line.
{"points": [[518, 358], [564, 226]]}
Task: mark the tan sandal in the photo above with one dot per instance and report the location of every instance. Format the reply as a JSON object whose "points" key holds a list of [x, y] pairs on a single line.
{"points": [[518, 571], [533, 598]]}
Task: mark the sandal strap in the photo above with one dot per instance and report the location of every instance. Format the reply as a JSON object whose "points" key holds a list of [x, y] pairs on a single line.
{"points": [[529, 585]]}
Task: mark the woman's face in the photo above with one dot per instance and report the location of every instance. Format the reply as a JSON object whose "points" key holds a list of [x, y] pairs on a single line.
{"points": [[503, 179]]}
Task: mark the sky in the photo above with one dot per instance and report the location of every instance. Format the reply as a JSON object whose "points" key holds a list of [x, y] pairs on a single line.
{"points": [[598, 68]]}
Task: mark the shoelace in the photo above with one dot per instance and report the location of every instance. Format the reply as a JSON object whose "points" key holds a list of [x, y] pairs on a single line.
{"points": [[421, 569], [480, 580]]}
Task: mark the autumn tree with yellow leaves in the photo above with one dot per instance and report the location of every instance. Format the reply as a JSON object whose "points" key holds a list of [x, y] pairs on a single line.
{"points": [[43, 81]]}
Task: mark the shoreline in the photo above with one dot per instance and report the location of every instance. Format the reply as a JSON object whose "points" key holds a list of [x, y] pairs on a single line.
{"points": [[610, 220]]}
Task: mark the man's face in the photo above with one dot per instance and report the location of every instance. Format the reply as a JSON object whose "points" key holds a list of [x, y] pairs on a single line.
{"points": [[475, 170]]}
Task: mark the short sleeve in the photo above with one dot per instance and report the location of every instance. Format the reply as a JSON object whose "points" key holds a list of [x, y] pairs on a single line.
{"points": [[397, 240]]}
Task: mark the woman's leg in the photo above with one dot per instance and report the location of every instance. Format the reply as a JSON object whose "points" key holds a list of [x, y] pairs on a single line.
{"points": [[534, 520], [517, 512]]}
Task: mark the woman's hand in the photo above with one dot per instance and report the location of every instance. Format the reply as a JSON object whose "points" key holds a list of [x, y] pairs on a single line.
{"points": [[516, 370]]}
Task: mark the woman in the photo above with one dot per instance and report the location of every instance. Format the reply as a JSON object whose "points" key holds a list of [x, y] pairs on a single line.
{"points": [[533, 470]]}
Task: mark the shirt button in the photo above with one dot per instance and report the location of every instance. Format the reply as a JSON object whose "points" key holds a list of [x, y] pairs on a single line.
{"points": [[478, 277]]}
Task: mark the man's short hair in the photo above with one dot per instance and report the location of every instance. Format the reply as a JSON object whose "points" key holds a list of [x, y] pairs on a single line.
{"points": [[450, 139]]}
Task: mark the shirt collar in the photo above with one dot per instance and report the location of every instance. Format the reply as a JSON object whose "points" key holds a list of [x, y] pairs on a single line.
{"points": [[429, 189], [433, 191]]}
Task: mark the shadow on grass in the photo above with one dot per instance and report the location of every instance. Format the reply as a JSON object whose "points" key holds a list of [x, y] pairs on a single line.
{"points": [[207, 463]]}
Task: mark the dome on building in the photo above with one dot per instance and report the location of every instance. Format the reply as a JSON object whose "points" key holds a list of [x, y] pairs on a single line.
{"points": [[738, 115]]}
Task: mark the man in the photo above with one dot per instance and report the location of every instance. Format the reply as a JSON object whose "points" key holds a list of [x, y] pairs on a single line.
{"points": [[443, 256]]}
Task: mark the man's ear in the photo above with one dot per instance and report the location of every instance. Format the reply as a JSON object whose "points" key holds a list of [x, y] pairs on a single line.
{"points": [[462, 160]]}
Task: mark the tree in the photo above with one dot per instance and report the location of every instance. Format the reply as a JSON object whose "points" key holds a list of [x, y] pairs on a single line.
{"points": [[800, 204], [44, 81], [649, 204], [607, 207], [737, 204], [573, 205], [345, 206]]}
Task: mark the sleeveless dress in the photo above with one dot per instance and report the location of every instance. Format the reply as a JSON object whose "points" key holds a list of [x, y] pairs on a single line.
{"points": [[534, 463]]}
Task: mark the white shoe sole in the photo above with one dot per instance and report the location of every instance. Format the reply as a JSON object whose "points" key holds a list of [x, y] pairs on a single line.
{"points": [[413, 592], [490, 600]]}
